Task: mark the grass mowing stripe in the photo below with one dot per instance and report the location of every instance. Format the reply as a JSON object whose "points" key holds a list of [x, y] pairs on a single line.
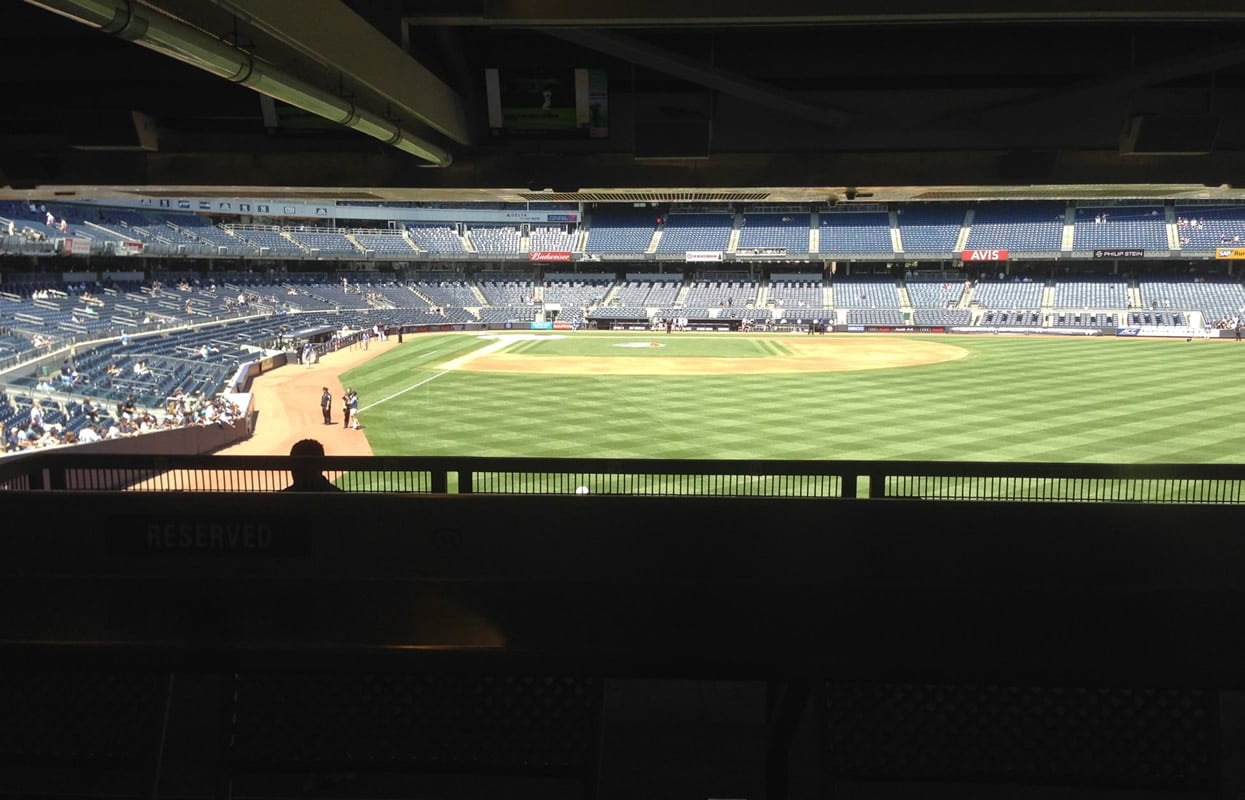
{"points": [[1010, 399]]}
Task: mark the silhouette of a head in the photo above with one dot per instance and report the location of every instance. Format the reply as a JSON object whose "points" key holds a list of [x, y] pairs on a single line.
{"points": [[307, 447], [306, 468]]}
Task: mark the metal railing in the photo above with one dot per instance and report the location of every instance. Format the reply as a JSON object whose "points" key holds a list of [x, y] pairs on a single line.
{"points": [[63, 470]]}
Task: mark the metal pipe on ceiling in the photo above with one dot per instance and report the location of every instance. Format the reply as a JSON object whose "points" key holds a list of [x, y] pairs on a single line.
{"points": [[165, 35]]}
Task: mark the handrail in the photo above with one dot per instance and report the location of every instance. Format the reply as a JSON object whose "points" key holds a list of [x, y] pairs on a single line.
{"points": [[70, 470]]}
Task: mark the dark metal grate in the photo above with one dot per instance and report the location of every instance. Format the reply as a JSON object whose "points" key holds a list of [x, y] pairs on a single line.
{"points": [[78, 718], [475, 723], [1153, 738]]}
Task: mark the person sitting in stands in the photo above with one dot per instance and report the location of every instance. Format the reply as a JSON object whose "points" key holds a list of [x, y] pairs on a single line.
{"points": [[36, 416], [306, 469]]}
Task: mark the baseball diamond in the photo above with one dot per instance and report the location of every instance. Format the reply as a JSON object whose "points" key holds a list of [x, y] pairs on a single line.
{"points": [[891, 396]]}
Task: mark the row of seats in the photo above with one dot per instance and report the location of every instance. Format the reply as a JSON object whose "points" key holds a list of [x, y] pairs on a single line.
{"points": [[933, 229]]}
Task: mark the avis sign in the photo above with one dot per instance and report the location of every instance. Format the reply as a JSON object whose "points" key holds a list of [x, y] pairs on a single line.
{"points": [[983, 255]]}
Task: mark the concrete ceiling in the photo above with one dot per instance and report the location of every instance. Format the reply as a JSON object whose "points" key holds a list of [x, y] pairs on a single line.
{"points": [[792, 100]]}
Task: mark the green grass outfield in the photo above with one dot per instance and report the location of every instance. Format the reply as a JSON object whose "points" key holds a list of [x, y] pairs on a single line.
{"points": [[1011, 398]]}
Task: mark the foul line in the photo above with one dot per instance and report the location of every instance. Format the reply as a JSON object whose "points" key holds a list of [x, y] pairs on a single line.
{"points": [[401, 392], [450, 366]]}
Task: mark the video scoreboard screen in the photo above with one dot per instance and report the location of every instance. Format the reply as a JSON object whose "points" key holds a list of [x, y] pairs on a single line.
{"points": [[570, 103]]}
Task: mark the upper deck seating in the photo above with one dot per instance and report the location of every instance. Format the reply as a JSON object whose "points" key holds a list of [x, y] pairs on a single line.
{"points": [[1019, 225], [1203, 227], [930, 227], [855, 232], [684, 233], [621, 230], [436, 238], [789, 232], [500, 239], [385, 243], [327, 242], [558, 240], [1143, 227]]}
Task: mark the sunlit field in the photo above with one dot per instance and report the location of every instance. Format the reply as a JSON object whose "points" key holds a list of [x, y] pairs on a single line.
{"points": [[742, 396]]}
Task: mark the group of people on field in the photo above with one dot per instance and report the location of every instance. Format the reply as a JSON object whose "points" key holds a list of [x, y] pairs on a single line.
{"points": [[350, 407]]}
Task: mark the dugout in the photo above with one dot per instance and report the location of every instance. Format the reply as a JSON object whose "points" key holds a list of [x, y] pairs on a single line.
{"points": [[316, 335]]}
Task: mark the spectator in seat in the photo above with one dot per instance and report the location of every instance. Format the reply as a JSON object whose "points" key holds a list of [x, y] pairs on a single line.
{"points": [[307, 470]]}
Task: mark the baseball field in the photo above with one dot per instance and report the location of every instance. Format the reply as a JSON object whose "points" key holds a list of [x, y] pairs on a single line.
{"points": [[837, 396]]}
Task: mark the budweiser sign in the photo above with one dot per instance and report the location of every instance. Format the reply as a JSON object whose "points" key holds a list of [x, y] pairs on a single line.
{"points": [[549, 255], [983, 255]]}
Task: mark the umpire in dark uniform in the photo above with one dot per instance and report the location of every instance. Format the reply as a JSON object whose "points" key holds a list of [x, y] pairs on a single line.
{"points": [[326, 405]]}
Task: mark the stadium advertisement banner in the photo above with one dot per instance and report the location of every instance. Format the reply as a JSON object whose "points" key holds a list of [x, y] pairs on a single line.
{"points": [[896, 329], [1126, 252], [549, 255], [130, 248], [1230, 252], [983, 255], [1166, 331], [76, 247], [542, 326], [760, 252], [1026, 331], [434, 328], [703, 255]]}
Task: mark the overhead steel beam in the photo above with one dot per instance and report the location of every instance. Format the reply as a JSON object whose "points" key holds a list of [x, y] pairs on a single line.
{"points": [[330, 33], [1201, 61], [171, 37], [656, 13], [1109, 85], [697, 72]]}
